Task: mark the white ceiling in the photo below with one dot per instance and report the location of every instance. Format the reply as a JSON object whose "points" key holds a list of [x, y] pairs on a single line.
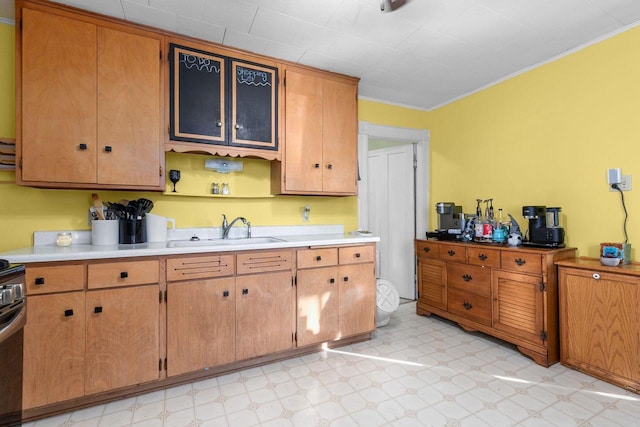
{"points": [[425, 54]]}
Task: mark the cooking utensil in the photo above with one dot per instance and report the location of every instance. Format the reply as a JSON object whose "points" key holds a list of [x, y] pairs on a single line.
{"points": [[97, 203], [145, 205]]}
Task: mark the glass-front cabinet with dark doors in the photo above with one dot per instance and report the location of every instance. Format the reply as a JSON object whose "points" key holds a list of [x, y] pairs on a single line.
{"points": [[222, 101]]}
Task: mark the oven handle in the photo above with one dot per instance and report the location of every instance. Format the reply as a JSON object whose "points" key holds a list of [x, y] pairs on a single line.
{"points": [[17, 323]]}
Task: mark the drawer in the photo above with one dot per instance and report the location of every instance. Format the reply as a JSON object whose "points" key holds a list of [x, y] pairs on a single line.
{"points": [[310, 258], [470, 278], [260, 262], [427, 249], [356, 254], [122, 273], [483, 256], [453, 253], [200, 267], [469, 306], [47, 279], [521, 262]]}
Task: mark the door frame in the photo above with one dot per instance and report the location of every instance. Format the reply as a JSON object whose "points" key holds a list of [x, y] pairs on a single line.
{"points": [[420, 137]]}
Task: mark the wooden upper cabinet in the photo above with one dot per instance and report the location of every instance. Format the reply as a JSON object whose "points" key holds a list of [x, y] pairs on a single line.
{"points": [[57, 136], [320, 155], [89, 104], [221, 105]]}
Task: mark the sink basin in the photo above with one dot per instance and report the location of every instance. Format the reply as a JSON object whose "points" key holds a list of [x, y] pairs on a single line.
{"points": [[222, 242]]}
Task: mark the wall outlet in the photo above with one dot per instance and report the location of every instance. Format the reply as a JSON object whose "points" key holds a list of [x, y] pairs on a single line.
{"points": [[624, 184]]}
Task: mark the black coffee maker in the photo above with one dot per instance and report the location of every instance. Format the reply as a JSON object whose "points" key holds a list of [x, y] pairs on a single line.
{"points": [[544, 227]]}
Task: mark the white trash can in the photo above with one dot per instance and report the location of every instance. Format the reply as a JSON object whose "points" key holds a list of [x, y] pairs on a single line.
{"points": [[387, 301]]}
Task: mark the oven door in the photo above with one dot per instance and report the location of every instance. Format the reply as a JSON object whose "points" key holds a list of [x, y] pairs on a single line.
{"points": [[12, 321]]}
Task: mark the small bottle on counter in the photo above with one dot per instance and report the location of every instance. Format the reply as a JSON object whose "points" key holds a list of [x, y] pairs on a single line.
{"points": [[63, 239], [215, 189], [225, 188]]}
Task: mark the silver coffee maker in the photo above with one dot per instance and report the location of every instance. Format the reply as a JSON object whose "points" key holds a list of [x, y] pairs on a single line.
{"points": [[450, 217]]}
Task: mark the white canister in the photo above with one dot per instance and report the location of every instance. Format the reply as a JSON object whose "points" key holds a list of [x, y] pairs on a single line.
{"points": [[157, 227], [104, 232]]}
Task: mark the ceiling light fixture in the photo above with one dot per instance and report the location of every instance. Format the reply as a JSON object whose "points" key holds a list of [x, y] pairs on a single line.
{"points": [[391, 5]]}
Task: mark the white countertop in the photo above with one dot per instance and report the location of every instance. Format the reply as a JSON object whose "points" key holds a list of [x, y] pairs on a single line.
{"points": [[45, 249]]}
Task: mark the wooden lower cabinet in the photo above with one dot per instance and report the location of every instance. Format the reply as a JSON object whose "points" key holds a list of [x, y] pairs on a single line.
{"points": [[509, 293], [54, 340], [264, 314], [317, 319], [600, 321], [357, 299], [122, 337]]}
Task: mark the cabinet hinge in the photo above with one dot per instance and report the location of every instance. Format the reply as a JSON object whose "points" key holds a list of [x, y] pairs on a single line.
{"points": [[160, 55], [20, 162], [543, 286], [294, 336], [295, 280], [160, 170], [160, 297], [159, 364], [165, 363], [543, 335], [165, 296]]}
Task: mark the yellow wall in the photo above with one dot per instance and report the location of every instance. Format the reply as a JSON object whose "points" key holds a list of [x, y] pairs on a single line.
{"points": [[548, 137]]}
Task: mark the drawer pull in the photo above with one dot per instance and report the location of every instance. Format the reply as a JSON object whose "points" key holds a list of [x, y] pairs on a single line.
{"points": [[467, 278], [345, 279], [245, 291], [316, 165], [82, 147], [482, 257], [124, 274], [596, 276], [318, 258], [520, 261], [467, 305], [97, 310], [426, 249], [451, 252], [329, 166], [68, 313], [225, 294], [39, 281], [108, 149], [357, 255], [332, 280]]}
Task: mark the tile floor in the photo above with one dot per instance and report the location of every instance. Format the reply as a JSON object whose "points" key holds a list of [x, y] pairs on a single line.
{"points": [[416, 371]]}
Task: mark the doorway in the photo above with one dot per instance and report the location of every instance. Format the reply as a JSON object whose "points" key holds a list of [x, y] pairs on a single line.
{"points": [[393, 164]]}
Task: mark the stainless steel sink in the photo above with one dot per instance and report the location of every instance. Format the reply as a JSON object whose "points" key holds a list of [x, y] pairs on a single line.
{"points": [[222, 242]]}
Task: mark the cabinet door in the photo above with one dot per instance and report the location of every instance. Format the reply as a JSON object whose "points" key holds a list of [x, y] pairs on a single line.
{"points": [[129, 109], [599, 324], [317, 295], [254, 109], [197, 96], [518, 305], [200, 324], [432, 279], [357, 297], [303, 132], [58, 97], [54, 338], [122, 337], [340, 139], [265, 314]]}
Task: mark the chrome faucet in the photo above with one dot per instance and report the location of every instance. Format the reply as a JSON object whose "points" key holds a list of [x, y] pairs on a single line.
{"points": [[226, 227]]}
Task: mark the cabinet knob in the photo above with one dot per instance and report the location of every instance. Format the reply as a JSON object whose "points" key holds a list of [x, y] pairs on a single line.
{"points": [[97, 310], [467, 278], [124, 274], [82, 147], [318, 258], [467, 305], [427, 249], [316, 165], [238, 126], [39, 281], [482, 257], [245, 291], [225, 294], [345, 279], [357, 255], [107, 149], [451, 252], [219, 124], [596, 276], [332, 280], [329, 166], [68, 313], [520, 261]]}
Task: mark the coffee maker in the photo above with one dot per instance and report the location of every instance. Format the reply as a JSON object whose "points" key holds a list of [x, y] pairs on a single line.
{"points": [[450, 221], [544, 226]]}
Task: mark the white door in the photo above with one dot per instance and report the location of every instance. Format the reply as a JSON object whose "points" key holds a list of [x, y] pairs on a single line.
{"points": [[391, 210]]}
